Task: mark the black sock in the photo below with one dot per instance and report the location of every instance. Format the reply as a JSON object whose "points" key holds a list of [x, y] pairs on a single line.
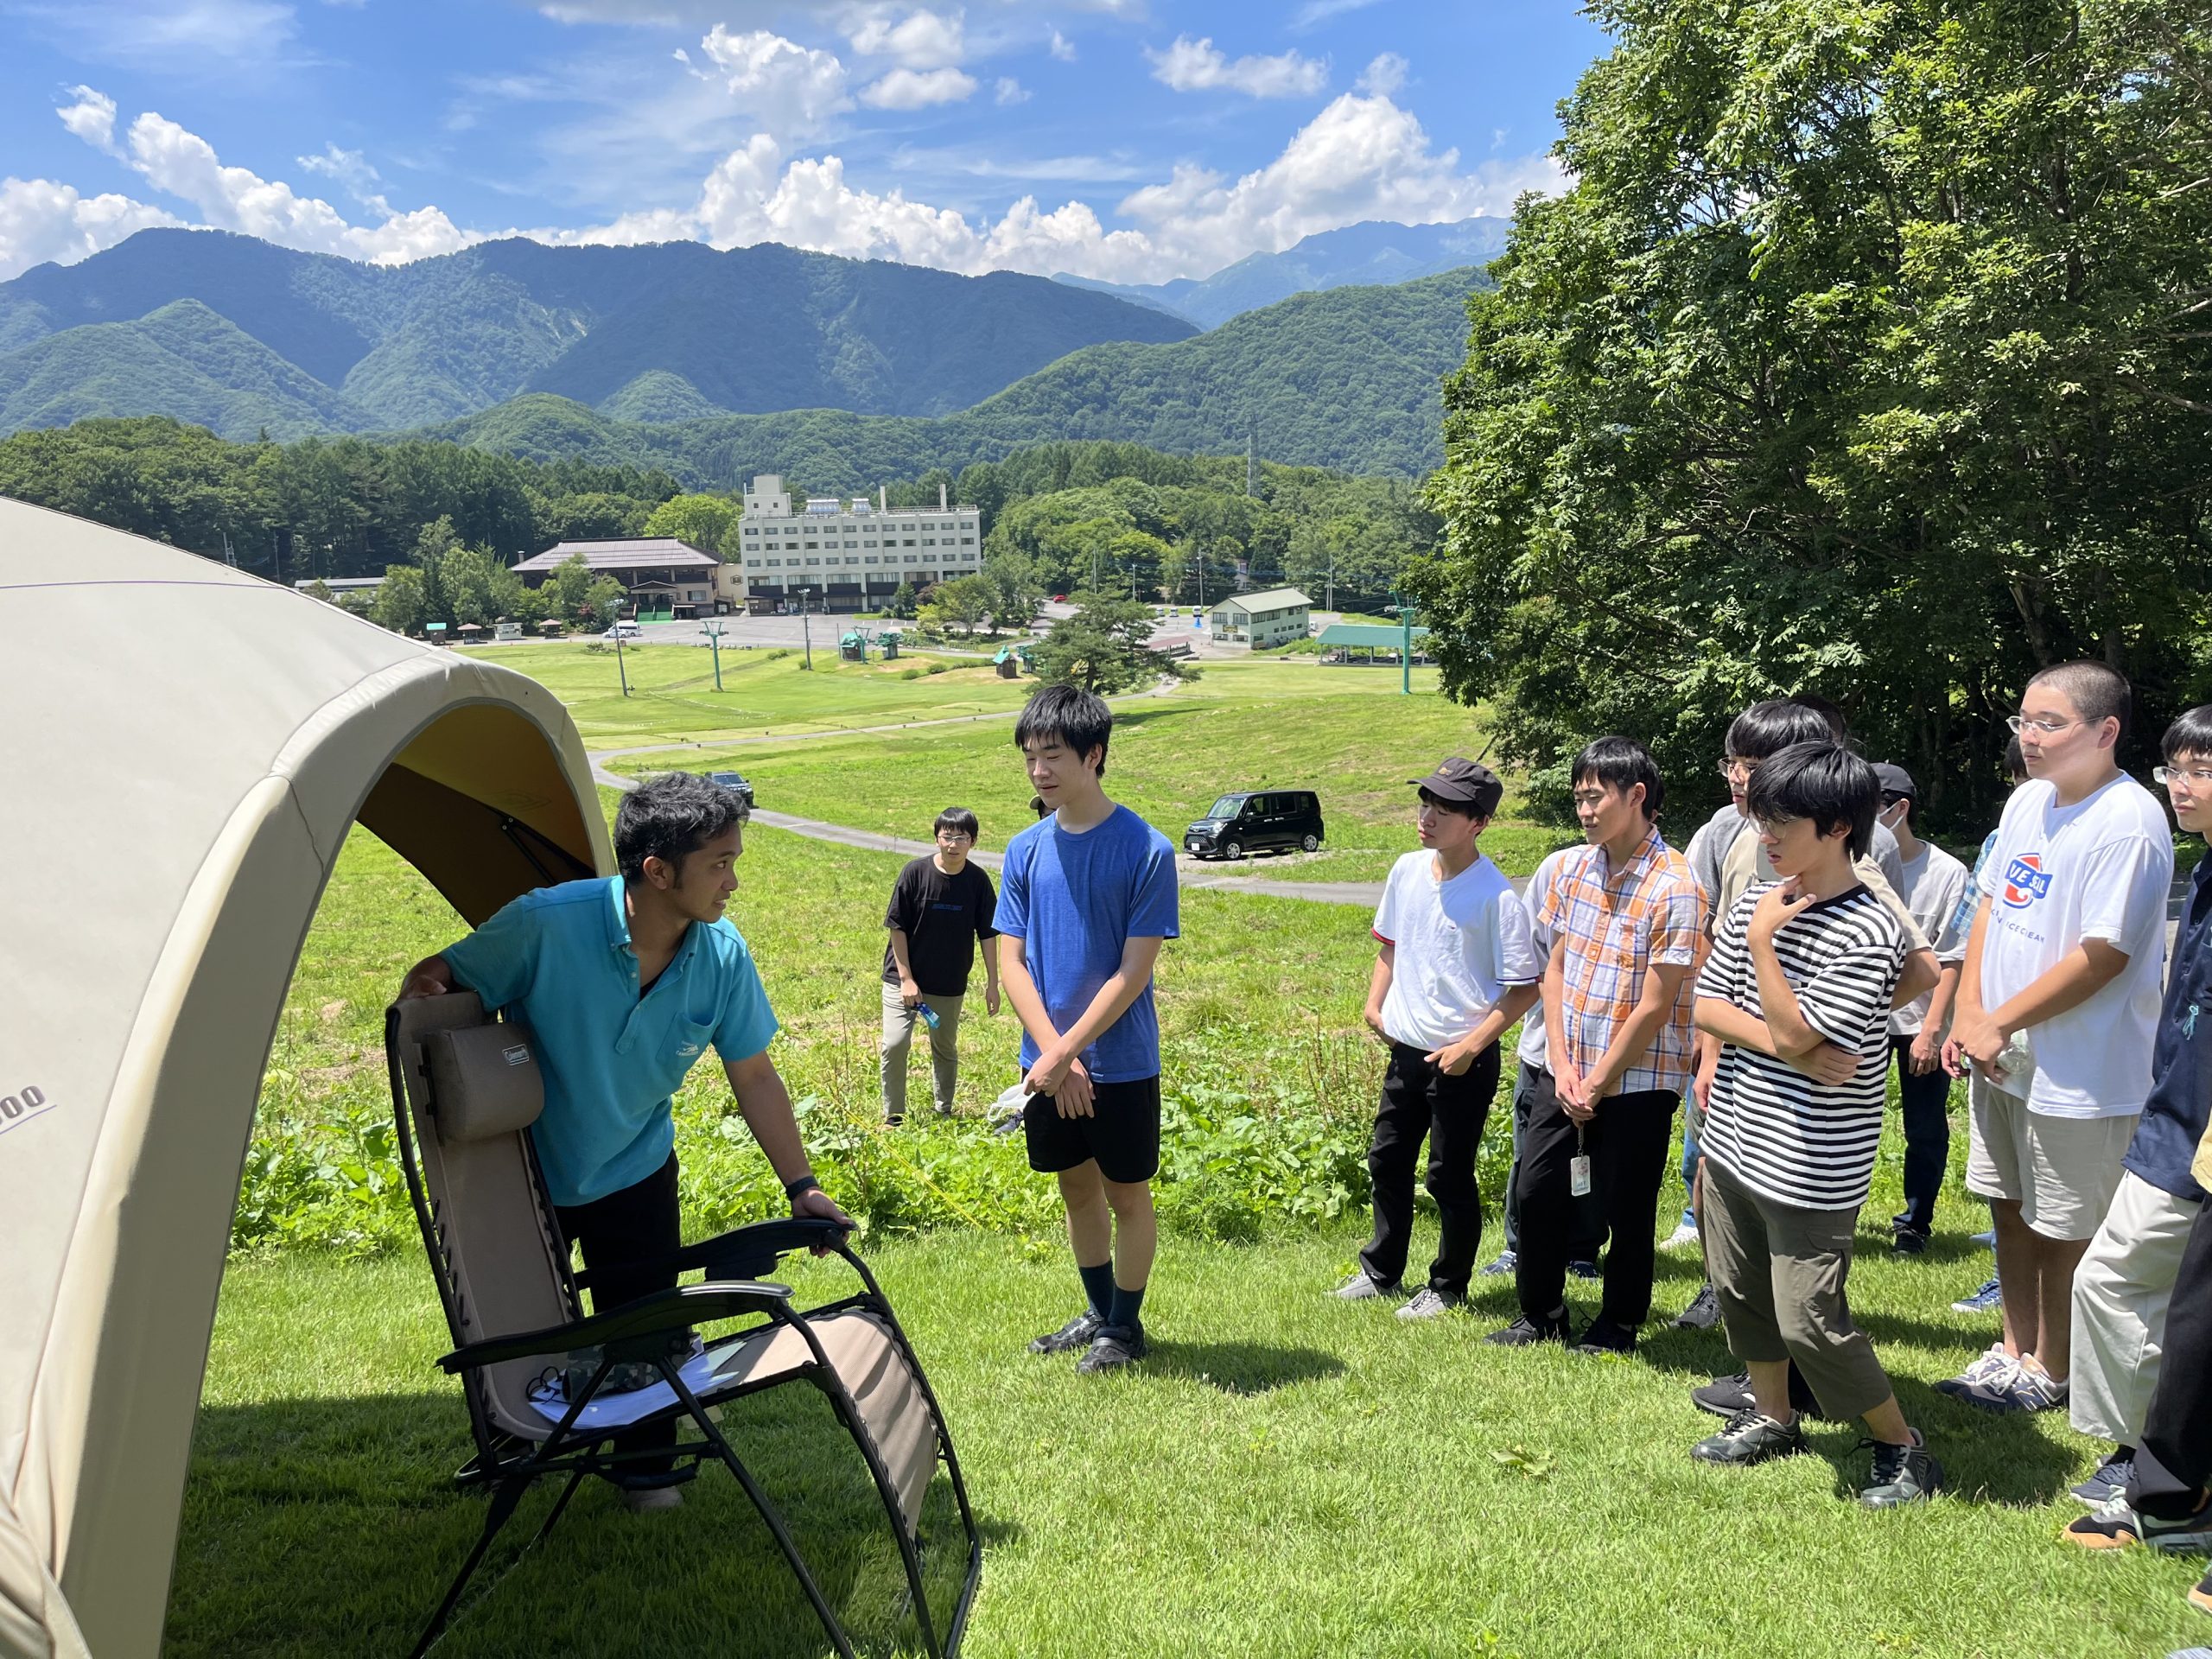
{"points": [[1098, 1286], [1122, 1312]]}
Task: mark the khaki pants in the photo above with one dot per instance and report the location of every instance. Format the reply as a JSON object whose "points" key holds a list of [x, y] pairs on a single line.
{"points": [[2120, 1294], [898, 1023], [1778, 1273]]}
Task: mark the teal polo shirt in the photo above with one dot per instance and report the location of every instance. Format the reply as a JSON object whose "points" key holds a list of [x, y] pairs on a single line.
{"points": [[560, 957]]}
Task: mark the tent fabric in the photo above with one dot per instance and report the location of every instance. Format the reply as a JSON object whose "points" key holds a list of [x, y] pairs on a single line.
{"points": [[186, 747]]}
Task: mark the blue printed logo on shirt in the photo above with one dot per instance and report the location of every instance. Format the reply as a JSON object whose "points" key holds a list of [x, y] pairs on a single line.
{"points": [[2026, 881]]}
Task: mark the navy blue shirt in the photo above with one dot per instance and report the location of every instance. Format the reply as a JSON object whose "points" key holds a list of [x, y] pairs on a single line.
{"points": [[1074, 900], [2181, 1082]]}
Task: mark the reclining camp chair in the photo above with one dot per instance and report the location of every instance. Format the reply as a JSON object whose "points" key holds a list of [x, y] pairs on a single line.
{"points": [[465, 1090]]}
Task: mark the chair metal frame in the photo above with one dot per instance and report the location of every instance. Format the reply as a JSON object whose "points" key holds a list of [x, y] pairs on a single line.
{"points": [[509, 1463]]}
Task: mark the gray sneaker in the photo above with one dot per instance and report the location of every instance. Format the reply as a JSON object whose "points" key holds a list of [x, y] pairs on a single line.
{"points": [[1363, 1286], [1748, 1438], [1076, 1334], [1507, 1261], [1901, 1475], [1703, 1313], [1427, 1304]]}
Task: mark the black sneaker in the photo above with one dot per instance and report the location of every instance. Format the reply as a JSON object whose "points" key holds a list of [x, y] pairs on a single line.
{"points": [[1076, 1334], [1750, 1437], [1113, 1347], [1726, 1396], [1525, 1332], [1585, 1270], [1703, 1313], [1908, 1240], [1606, 1336], [1901, 1475]]}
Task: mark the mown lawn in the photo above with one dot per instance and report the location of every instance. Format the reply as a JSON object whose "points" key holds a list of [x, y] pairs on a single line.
{"points": [[672, 697], [1294, 724]]}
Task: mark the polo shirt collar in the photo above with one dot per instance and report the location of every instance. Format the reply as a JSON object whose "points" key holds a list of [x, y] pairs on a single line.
{"points": [[618, 933]]}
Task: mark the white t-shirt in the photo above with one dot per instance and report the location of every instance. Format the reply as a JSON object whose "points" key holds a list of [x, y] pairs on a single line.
{"points": [[1934, 884], [1532, 1050], [2099, 870], [1460, 944]]}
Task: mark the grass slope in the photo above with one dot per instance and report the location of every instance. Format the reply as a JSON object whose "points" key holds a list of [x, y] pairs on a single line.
{"points": [[1345, 733]]}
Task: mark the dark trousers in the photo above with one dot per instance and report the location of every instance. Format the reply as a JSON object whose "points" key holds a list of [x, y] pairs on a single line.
{"points": [[1420, 1100], [1925, 1105], [1586, 1222], [1627, 1145], [2174, 1463], [622, 1236]]}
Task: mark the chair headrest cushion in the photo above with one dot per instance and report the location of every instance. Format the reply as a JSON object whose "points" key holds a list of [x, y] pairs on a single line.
{"points": [[484, 1081]]}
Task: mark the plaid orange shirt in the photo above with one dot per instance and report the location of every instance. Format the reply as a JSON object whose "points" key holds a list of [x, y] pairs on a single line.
{"points": [[1612, 925]]}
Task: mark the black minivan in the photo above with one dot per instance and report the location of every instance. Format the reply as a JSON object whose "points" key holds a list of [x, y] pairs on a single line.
{"points": [[1257, 820]]}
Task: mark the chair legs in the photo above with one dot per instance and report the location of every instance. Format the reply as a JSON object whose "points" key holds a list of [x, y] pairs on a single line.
{"points": [[502, 1510]]}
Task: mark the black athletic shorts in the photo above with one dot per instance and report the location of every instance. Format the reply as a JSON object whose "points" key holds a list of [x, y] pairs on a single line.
{"points": [[1123, 1132]]}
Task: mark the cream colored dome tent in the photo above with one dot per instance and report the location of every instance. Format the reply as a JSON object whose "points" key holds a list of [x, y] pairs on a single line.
{"points": [[183, 749]]}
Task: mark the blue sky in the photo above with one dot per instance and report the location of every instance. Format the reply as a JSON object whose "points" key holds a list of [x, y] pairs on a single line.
{"points": [[1134, 140]]}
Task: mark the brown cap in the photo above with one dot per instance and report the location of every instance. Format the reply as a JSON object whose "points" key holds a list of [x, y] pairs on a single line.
{"points": [[1464, 783]]}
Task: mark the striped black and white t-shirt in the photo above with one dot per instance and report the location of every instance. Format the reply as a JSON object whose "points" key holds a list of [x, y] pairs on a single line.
{"points": [[1782, 1134]]}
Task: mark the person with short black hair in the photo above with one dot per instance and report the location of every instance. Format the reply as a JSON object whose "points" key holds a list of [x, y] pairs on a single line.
{"points": [[1455, 967], [2057, 1013], [1812, 961], [625, 983], [1934, 884], [2125, 1284], [1087, 897], [941, 906], [1626, 919]]}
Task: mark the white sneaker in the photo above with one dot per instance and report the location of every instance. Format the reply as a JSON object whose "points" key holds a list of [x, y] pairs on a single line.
{"points": [[650, 1500], [1684, 1237]]}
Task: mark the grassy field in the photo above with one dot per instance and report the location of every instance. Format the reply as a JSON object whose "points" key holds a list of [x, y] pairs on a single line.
{"points": [[1287, 1476], [672, 697], [1245, 725]]}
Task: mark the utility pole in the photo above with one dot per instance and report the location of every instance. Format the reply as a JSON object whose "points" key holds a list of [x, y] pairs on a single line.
{"points": [[619, 667], [1405, 643], [1251, 465], [806, 627], [1333, 579]]}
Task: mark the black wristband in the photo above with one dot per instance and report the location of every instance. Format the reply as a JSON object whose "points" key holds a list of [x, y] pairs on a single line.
{"points": [[804, 1184]]}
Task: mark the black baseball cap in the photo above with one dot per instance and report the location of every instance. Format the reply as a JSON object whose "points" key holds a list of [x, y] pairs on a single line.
{"points": [[1464, 782], [1894, 780]]}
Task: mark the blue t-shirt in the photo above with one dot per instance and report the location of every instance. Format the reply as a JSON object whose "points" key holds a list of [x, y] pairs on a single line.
{"points": [[1074, 900], [560, 957], [2181, 1081]]}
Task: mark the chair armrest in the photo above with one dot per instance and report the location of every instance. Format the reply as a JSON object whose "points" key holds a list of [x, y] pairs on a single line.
{"points": [[665, 1310], [749, 1251]]}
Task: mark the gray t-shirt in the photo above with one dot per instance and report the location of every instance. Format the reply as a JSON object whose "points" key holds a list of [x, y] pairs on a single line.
{"points": [[1709, 848]]}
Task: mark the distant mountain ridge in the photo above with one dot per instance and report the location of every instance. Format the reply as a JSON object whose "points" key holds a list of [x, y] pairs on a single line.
{"points": [[1348, 377], [1371, 253], [323, 344]]}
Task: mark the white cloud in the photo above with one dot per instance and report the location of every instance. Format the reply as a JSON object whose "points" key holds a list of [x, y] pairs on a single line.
{"points": [[350, 170], [915, 89], [1383, 77], [169, 35], [788, 88], [1061, 47], [41, 220], [1314, 12], [922, 40], [1010, 91], [1191, 66], [91, 117]]}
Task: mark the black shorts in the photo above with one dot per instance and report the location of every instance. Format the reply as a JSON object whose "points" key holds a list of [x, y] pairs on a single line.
{"points": [[1123, 1132]]}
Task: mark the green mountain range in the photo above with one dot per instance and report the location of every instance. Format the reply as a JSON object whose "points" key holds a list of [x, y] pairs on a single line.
{"points": [[1347, 379], [338, 346], [1370, 253]]}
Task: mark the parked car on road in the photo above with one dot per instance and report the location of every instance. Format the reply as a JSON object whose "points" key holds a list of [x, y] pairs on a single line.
{"points": [[732, 780], [625, 629], [1257, 820]]}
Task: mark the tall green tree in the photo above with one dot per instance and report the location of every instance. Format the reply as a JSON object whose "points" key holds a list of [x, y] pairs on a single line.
{"points": [[1868, 355], [1102, 647], [706, 522]]}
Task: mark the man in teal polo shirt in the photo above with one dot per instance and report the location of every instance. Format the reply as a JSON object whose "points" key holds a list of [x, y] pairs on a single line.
{"points": [[625, 983]]}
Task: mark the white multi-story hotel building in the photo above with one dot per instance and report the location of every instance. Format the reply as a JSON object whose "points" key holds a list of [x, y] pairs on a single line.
{"points": [[847, 555]]}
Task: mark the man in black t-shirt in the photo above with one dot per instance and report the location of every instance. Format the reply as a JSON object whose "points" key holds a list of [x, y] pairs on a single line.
{"points": [[941, 906]]}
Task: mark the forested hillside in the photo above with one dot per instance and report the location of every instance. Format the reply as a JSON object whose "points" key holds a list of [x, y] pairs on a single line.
{"points": [[346, 347], [1348, 378]]}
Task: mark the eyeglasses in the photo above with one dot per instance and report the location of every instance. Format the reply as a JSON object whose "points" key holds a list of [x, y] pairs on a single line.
{"points": [[1732, 768], [2021, 723], [2169, 776]]}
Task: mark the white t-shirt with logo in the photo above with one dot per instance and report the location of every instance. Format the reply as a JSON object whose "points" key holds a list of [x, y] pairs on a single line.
{"points": [[1461, 943], [1533, 1049], [2099, 870]]}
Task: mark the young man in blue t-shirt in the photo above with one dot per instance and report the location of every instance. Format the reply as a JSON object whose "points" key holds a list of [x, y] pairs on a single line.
{"points": [[1086, 895], [624, 982]]}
